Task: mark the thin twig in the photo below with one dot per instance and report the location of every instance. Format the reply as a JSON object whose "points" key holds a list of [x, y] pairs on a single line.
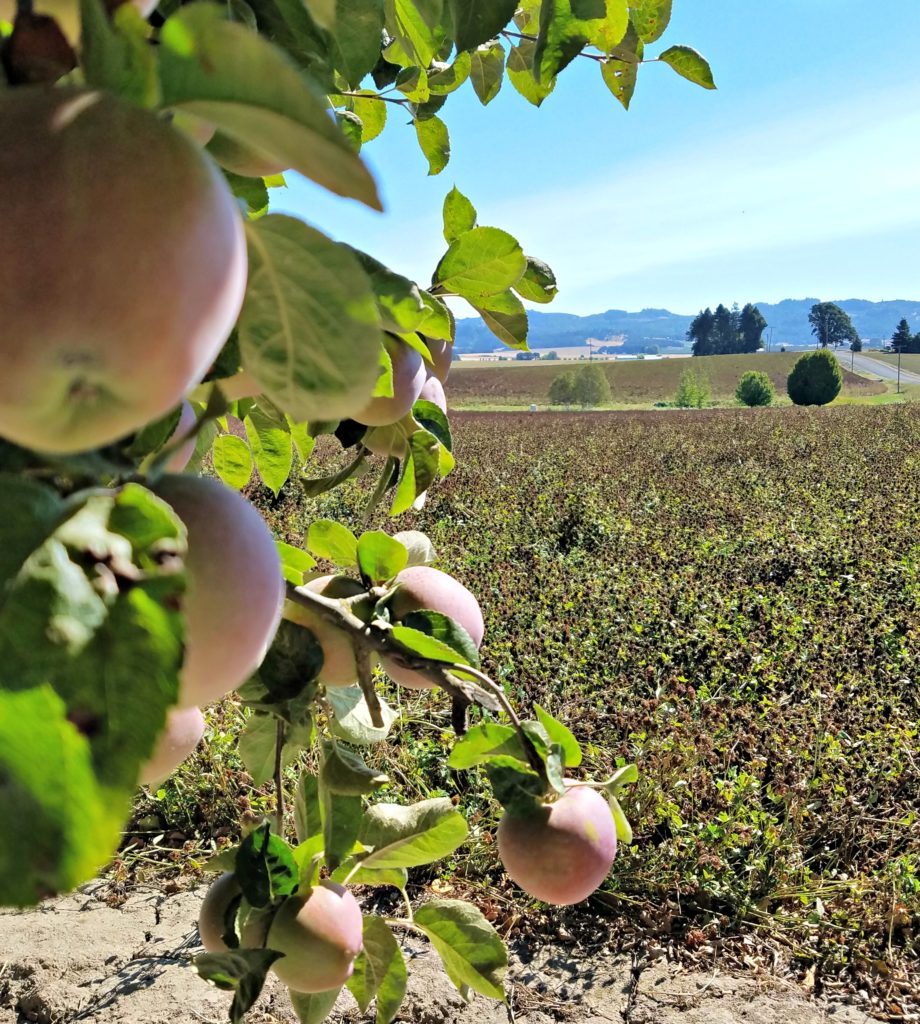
{"points": [[279, 782], [599, 57], [366, 682], [375, 96]]}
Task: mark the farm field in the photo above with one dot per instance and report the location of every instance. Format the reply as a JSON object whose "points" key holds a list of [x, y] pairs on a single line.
{"points": [[638, 383], [730, 599]]}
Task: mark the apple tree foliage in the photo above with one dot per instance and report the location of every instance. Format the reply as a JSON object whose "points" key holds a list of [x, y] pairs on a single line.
{"points": [[91, 561]]}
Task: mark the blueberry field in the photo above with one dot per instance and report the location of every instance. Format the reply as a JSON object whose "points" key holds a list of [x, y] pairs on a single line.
{"points": [[730, 599]]}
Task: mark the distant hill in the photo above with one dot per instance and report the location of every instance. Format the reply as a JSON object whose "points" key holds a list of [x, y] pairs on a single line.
{"points": [[789, 320]]}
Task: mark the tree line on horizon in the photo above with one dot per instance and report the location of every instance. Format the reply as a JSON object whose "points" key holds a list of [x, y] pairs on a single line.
{"points": [[727, 331]]}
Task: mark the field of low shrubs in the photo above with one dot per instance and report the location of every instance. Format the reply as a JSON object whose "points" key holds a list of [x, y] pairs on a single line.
{"points": [[731, 599], [643, 382]]}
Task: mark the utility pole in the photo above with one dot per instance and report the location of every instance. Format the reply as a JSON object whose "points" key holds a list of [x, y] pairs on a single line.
{"points": [[899, 368]]}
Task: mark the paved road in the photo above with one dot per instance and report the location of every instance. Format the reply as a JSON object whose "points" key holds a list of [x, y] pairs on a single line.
{"points": [[866, 364]]}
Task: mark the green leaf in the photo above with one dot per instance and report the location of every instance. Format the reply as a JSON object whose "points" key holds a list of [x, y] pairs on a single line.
{"points": [[290, 667], [621, 77], [345, 773], [398, 299], [265, 867], [416, 26], [232, 460], [373, 114], [517, 787], [419, 472], [444, 79], [28, 513], [520, 67], [48, 782], [380, 972], [650, 18], [315, 1007], [690, 65], [472, 953], [447, 630], [555, 768], [303, 442], [115, 54], [321, 485], [506, 318], [257, 747], [439, 323], [624, 829], [380, 556], [488, 71], [408, 837], [608, 32], [336, 543], [558, 733], [481, 262], [235, 79], [241, 971], [308, 812], [538, 282], [413, 84], [272, 449], [295, 563], [417, 642], [459, 215], [419, 548], [434, 141], [251, 192], [396, 877], [351, 127], [323, 12], [484, 742], [342, 818], [352, 721], [478, 21], [309, 330], [355, 46], [563, 35]]}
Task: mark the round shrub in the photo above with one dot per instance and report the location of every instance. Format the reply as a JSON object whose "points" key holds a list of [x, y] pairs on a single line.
{"points": [[816, 379], [755, 388]]}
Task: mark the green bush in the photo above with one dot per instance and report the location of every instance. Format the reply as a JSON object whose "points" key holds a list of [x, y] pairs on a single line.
{"points": [[693, 391], [816, 379], [755, 388], [562, 390], [591, 386]]}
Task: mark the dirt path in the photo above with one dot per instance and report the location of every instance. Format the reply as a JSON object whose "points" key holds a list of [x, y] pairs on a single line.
{"points": [[78, 959]]}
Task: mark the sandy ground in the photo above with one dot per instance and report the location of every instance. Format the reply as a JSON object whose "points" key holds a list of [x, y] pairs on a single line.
{"points": [[78, 959]]}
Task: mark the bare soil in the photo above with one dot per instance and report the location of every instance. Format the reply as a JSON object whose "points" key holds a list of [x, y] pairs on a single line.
{"points": [[77, 958]]}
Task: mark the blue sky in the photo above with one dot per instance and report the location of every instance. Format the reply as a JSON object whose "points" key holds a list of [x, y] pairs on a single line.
{"points": [[799, 177]]}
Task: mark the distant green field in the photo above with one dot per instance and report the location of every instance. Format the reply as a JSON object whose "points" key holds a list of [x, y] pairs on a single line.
{"points": [[643, 382]]}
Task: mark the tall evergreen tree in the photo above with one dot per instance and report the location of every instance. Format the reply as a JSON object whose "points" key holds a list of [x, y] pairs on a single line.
{"points": [[751, 327], [902, 339], [724, 335], [700, 333]]}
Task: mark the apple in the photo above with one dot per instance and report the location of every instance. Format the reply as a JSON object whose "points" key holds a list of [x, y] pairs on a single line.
{"points": [[235, 588], [212, 918], [339, 665], [320, 938], [408, 380], [442, 352], [181, 734], [564, 850], [424, 588], [122, 270]]}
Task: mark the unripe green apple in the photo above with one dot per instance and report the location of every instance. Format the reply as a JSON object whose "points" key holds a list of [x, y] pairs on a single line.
{"points": [[235, 589], [408, 379], [212, 918], [442, 352], [122, 267], [424, 588], [561, 853], [242, 159], [320, 938], [181, 734], [339, 665]]}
